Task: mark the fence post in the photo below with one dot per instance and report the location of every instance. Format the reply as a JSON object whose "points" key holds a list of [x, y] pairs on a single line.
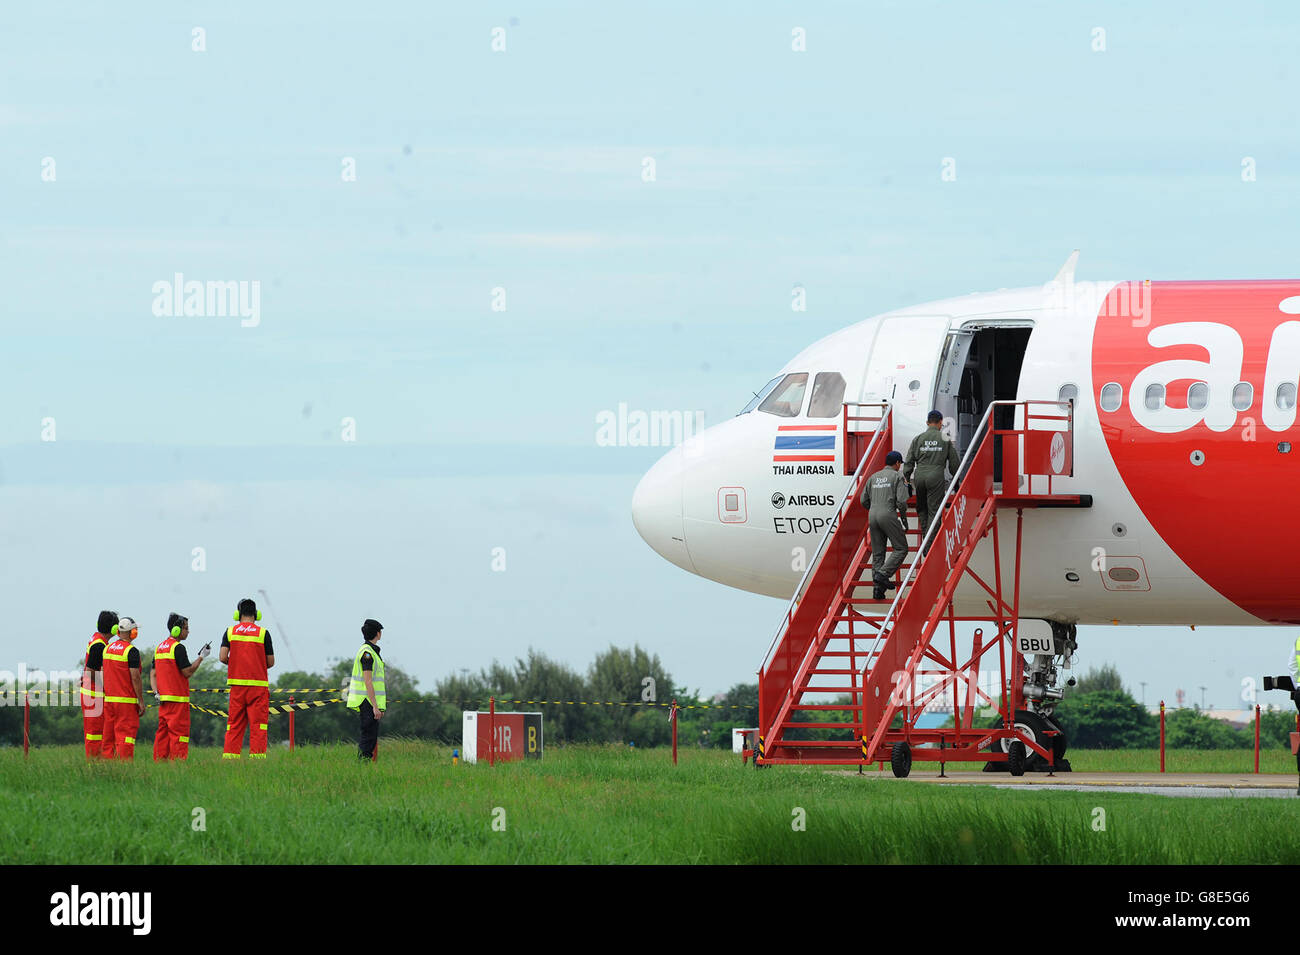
{"points": [[492, 731], [1162, 736], [27, 722], [291, 713], [1256, 737], [674, 732]]}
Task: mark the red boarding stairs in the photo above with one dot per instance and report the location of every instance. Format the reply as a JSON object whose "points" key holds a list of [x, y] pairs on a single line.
{"points": [[883, 659]]}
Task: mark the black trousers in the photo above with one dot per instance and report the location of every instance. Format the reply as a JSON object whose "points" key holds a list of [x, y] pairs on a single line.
{"points": [[369, 734], [1286, 683]]}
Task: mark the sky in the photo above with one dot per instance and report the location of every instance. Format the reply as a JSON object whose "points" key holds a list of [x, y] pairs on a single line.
{"points": [[460, 263]]}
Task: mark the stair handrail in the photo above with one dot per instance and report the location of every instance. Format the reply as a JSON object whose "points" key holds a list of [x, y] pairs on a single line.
{"points": [[831, 527], [977, 440], [981, 434]]}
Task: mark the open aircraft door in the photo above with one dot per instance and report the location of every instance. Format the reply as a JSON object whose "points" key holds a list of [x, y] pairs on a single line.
{"points": [[902, 368], [959, 419]]}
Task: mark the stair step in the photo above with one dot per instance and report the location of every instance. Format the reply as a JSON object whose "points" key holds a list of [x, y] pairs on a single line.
{"points": [[831, 689], [823, 707]]}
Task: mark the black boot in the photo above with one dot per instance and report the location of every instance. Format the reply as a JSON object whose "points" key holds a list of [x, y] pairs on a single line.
{"points": [[878, 593]]}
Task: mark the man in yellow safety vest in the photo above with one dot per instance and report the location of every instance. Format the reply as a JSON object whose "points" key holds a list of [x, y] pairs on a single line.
{"points": [[366, 689]]}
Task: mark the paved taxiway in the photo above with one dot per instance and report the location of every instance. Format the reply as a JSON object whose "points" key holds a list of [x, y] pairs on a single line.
{"points": [[1222, 785]]}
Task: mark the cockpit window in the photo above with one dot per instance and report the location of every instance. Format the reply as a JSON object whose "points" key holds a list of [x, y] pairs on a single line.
{"points": [[762, 393], [827, 395], [786, 399]]}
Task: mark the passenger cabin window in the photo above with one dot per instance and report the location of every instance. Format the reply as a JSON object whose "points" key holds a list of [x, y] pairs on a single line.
{"points": [[827, 395], [1111, 396], [1243, 396], [1067, 394], [1286, 396], [786, 399], [1198, 396], [762, 393], [1154, 397]]}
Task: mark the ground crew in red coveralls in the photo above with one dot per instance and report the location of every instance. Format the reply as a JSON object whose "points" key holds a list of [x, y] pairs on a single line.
{"points": [[92, 684], [123, 691], [247, 652], [170, 678]]}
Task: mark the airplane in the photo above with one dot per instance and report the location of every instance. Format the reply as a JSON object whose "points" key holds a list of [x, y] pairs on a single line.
{"points": [[1183, 396]]}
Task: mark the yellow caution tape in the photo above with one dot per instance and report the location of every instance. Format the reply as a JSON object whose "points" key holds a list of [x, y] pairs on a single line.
{"points": [[303, 705], [7, 695], [680, 706], [204, 709], [286, 707], [280, 708], [274, 689]]}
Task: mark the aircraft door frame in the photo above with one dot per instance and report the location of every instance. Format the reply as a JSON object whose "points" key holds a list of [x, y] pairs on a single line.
{"points": [[947, 385]]}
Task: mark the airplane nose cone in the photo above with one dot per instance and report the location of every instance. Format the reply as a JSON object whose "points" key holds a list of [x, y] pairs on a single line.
{"points": [[657, 509]]}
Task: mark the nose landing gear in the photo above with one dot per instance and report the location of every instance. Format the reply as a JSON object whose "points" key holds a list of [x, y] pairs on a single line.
{"points": [[1041, 694]]}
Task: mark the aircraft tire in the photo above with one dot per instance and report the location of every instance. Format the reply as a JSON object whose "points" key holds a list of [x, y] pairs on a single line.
{"points": [[900, 759], [1016, 758], [1037, 727]]}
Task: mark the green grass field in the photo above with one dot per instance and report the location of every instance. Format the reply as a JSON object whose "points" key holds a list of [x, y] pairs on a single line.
{"points": [[1180, 761], [601, 804]]}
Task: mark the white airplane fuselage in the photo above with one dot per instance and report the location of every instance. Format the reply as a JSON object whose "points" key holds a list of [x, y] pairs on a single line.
{"points": [[1180, 409]]}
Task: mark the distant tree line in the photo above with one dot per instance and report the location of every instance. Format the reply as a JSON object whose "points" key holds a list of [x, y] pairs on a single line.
{"points": [[1098, 713], [634, 680]]}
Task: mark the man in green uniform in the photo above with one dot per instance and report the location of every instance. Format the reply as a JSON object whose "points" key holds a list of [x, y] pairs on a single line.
{"points": [[930, 453], [885, 498]]}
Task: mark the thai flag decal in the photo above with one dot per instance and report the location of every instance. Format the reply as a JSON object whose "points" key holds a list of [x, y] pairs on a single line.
{"points": [[805, 442]]}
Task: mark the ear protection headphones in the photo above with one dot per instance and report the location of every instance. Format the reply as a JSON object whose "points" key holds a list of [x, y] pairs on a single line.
{"points": [[259, 616], [176, 631], [113, 632]]}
